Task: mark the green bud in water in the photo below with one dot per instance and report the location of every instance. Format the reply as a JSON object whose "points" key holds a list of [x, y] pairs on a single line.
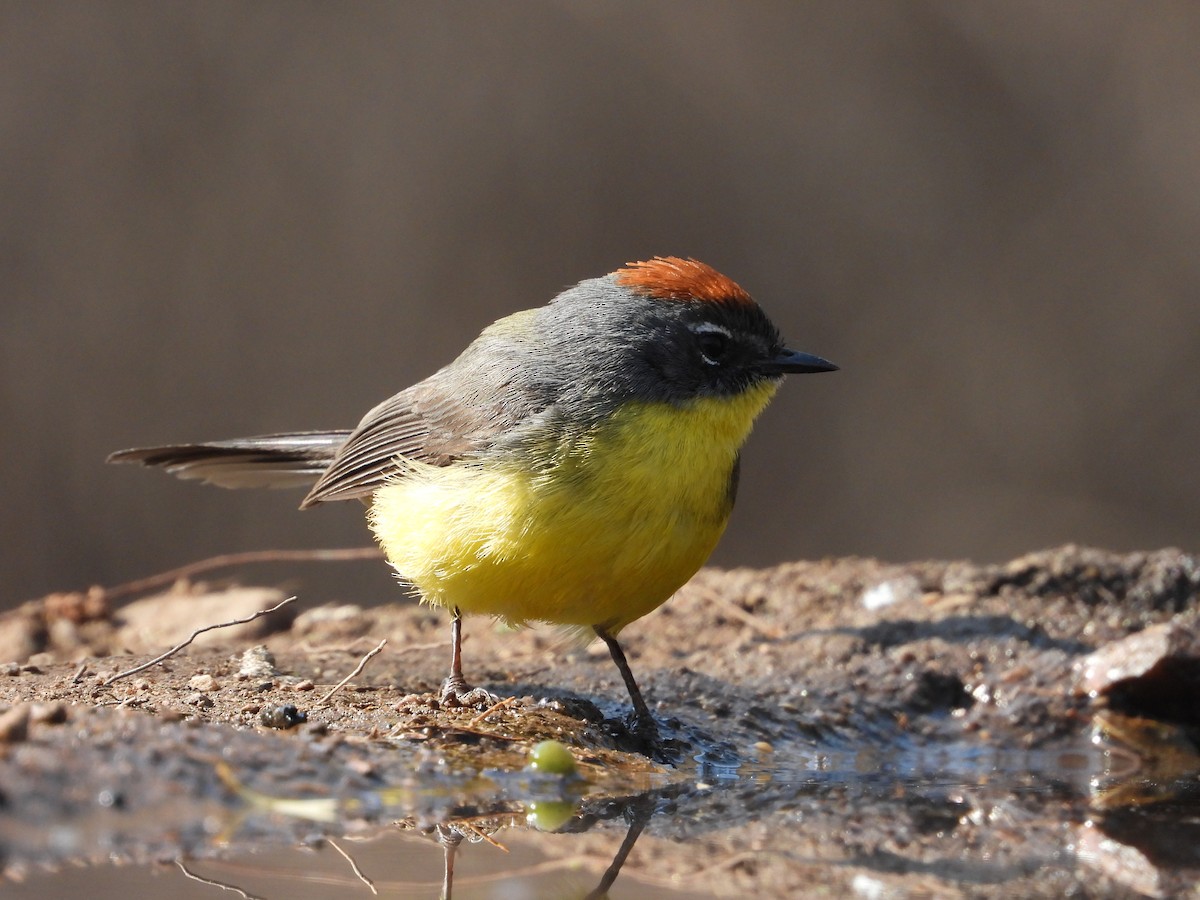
{"points": [[552, 757], [549, 815]]}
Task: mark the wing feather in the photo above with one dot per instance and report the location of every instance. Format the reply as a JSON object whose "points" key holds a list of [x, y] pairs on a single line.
{"points": [[421, 423], [458, 411], [295, 459]]}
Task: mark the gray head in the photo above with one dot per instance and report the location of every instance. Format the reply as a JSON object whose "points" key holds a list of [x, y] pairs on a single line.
{"points": [[665, 330]]}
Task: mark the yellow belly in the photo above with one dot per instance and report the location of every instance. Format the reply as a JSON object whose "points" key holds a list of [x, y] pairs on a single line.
{"points": [[603, 530]]}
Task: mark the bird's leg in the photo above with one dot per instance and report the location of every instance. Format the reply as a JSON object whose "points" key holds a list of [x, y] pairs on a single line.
{"points": [[449, 839], [639, 813], [643, 721], [455, 687]]}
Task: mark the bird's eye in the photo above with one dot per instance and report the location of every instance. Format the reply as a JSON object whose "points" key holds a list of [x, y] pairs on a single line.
{"points": [[714, 345]]}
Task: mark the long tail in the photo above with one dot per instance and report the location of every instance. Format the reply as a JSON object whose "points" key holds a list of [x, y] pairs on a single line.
{"points": [[272, 460]]}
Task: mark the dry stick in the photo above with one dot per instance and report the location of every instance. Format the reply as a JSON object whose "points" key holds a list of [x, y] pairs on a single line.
{"points": [[305, 647], [414, 648], [354, 866], [237, 559], [507, 701], [746, 617], [485, 836], [211, 883], [195, 634], [362, 664]]}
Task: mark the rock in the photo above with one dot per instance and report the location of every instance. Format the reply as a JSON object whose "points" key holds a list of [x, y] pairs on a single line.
{"points": [[203, 683], [154, 623], [1154, 673], [257, 663], [53, 713], [14, 724]]}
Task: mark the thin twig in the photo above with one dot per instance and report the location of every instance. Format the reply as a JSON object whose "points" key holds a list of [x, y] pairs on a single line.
{"points": [[416, 648], [448, 731], [354, 866], [211, 883], [80, 672], [195, 634], [500, 704], [765, 629], [483, 835], [362, 664], [341, 554], [352, 647]]}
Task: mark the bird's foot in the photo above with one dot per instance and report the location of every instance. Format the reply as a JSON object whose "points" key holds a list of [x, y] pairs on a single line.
{"points": [[456, 692], [640, 734], [645, 729], [651, 744]]}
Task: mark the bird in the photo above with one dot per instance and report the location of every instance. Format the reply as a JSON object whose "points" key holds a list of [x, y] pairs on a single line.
{"points": [[575, 465]]}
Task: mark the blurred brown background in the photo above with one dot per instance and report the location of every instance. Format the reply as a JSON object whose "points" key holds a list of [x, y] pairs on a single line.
{"points": [[223, 219]]}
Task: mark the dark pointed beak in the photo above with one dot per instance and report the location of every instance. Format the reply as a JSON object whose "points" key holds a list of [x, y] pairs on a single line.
{"points": [[794, 362]]}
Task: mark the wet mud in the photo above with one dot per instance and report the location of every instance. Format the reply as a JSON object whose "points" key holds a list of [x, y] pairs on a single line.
{"points": [[833, 727]]}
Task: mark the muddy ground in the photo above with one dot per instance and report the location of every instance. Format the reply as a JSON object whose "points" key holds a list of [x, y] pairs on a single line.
{"points": [[943, 729]]}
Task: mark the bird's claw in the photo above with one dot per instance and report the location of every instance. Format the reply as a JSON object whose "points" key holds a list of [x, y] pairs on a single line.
{"points": [[456, 692]]}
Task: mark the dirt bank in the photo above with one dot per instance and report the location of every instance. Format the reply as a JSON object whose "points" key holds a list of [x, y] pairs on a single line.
{"points": [[859, 693]]}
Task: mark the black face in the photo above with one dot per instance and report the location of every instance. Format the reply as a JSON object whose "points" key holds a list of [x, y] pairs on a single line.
{"points": [[724, 348]]}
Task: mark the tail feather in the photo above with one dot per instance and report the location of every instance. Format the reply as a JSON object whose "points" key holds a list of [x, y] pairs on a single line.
{"points": [[289, 460]]}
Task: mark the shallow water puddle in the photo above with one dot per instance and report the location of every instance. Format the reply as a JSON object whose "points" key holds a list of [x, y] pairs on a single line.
{"points": [[940, 820]]}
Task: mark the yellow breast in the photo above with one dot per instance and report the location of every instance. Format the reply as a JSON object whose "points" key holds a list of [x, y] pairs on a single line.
{"points": [[596, 529]]}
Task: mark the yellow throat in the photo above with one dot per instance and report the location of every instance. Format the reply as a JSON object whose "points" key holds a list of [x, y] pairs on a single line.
{"points": [[592, 529]]}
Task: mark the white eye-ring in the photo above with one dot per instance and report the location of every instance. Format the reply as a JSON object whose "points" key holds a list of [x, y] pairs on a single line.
{"points": [[713, 341]]}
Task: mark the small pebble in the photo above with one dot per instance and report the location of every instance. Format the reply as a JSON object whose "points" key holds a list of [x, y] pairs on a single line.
{"points": [[257, 663], [303, 684], [14, 724], [110, 799], [49, 713], [202, 683], [283, 717]]}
